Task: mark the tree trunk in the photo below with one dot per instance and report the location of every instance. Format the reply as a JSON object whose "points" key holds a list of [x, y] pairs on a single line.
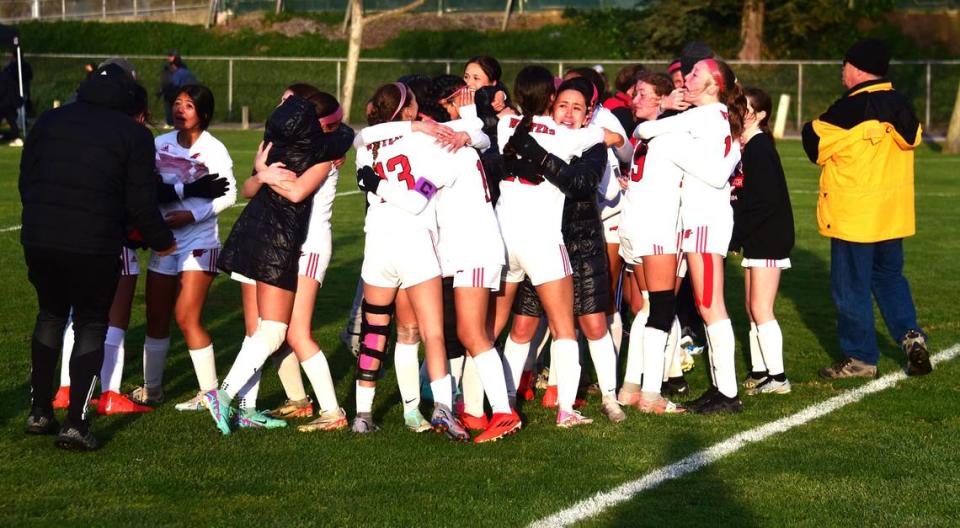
{"points": [[751, 30], [279, 8], [953, 131], [353, 56]]}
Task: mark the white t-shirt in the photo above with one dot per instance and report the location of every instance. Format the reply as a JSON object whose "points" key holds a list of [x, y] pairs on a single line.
{"points": [[318, 232], [609, 193], [177, 166]]}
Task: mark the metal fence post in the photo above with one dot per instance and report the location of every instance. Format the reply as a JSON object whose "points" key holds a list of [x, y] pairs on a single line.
{"points": [[103, 9], [63, 9], [339, 86], [926, 117], [230, 89], [134, 7], [173, 7], [799, 96], [559, 69], [448, 68]]}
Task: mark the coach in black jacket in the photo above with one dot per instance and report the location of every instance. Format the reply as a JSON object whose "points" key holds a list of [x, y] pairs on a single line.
{"points": [[86, 174]]}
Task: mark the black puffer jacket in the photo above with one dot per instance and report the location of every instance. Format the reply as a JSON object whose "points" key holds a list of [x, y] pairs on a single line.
{"points": [[582, 233], [265, 242], [87, 171]]}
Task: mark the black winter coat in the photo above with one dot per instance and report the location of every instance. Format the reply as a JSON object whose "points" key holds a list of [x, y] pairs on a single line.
{"points": [[762, 216], [87, 172], [265, 242]]}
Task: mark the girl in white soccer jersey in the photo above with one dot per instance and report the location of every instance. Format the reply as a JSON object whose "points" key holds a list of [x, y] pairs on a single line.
{"points": [[708, 154], [178, 284]]}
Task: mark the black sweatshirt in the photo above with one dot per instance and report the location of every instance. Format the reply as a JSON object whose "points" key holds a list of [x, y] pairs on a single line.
{"points": [[762, 216]]}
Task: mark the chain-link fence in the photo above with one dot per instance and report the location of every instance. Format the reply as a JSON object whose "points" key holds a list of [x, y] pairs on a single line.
{"points": [[257, 82], [22, 10]]}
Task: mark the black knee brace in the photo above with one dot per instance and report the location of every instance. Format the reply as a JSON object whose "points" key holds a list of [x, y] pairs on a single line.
{"points": [[663, 305], [367, 354]]}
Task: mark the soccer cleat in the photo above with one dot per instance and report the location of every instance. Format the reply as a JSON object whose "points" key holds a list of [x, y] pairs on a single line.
{"points": [[526, 386], [611, 409], [147, 395], [16, 143], [351, 341], [770, 386], [218, 403], [753, 379], [62, 399], [686, 359], [543, 379], [292, 409], [193, 404], [254, 419], [687, 343], [675, 387], [566, 420], [363, 424], [41, 423], [474, 423], [73, 439], [415, 421], [849, 368], [550, 399], [326, 421], [501, 425], [720, 404], [659, 406], [918, 358], [112, 402], [629, 398], [707, 395], [444, 421]]}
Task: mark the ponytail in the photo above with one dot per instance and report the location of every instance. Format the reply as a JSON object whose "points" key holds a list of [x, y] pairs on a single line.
{"points": [[761, 102], [731, 94]]}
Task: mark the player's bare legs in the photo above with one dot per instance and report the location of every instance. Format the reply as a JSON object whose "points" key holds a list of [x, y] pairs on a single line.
{"points": [[194, 286], [504, 302], [557, 299]]}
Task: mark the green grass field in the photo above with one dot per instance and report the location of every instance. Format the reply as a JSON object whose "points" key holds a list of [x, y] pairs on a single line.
{"points": [[887, 460]]}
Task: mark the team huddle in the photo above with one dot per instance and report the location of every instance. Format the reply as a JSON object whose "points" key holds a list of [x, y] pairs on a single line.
{"points": [[551, 212]]}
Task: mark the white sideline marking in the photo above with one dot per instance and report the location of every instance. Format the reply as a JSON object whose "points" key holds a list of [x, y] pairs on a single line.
{"points": [[344, 193], [607, 499]]}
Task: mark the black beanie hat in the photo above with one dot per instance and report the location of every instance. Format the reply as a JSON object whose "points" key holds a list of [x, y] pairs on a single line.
{"points": [[693, 53], [870, 55]]}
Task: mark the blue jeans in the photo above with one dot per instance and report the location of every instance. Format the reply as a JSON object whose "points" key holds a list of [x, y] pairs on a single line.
{"points": [[856, 270]]}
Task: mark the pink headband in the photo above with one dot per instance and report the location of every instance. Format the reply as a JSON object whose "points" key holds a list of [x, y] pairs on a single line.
{"points": [[403, 99], [715, 72], [595, 95], [332, 118]]}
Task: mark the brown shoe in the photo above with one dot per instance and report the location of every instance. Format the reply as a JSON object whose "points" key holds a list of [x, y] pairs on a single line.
{"points": [[849, 368]]}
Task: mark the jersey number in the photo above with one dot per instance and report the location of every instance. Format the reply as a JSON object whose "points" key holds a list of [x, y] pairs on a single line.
{"points": [[404, 173], [639, 158], [483, 178]]}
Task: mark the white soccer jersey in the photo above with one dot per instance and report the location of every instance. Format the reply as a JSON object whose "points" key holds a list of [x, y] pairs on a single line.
{"points": [[318, 233], [178, 166], [609, 197], [652, 200]]}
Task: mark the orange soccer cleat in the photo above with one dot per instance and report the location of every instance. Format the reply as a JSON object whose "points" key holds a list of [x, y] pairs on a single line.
{"points": [[62, 399], [474, 423], [550, 399], [112, 402], [525, 387], [501, 425]]}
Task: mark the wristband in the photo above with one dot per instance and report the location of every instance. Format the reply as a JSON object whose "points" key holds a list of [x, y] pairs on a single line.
{"points": [[426, 188]]}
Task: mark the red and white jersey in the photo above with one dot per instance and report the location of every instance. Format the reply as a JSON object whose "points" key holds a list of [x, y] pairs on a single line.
{"points": [[468, 227], [609, 197], [177, 166], [318, 232], [652, 198], [413, 168], [537, 208]]}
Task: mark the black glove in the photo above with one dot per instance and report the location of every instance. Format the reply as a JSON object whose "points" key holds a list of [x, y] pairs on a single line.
{"points": [[210, 186], [368, 180], [523, 144], [522, 168]]}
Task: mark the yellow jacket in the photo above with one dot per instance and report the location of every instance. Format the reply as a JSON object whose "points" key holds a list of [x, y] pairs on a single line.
{"points": [[865, 142]]}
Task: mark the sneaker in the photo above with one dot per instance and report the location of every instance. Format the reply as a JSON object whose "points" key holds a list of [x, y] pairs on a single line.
{"points": [[444, 421], [720, 404], [351, 341], [770, 386], [687, 343], [550, 399], [112, 402], [218, 403], [593, 388], [659, 406], [686, 359], [501, 425], [566, 420], [16, 143], [628, 398], [147, 395], [754, 378], [474, 423], [293, 409], [71, 438], [41, 423], [363, 424], [326, 421], [611, 409], [526, 385], [254, 419], [706, 396], [675, 387], [415, 421], [918, 358], [193, 404], [62, 399], [543, 379], [849, 368]]}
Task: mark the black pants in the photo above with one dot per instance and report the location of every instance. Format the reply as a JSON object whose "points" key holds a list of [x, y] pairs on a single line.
{"points": [[64, 281]]}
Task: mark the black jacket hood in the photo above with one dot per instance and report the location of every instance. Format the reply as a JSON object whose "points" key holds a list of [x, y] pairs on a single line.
{"points": [[109, 87]]}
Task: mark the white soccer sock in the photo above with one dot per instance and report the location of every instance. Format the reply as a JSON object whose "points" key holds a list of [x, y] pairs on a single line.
{"points": [[654, 343], [489, 368], [722, 344], [154, 359], [318, 372], [365, 398], [634, 373], [288, 369], [771, 345], [615, 323], [205, 367], [249, 392], [67, 352], [456, 367], [111, 373], [566, 361], [264, 342], [443, 391], [472, 387], [604, 357], [757, 363], [552, 374], [407, 367], [514, 359], [646, 303], [673, 368]]}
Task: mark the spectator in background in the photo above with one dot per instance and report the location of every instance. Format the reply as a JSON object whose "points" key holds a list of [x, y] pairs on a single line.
{"points": [[621, 102], [89, 68], [11, 100], [175, 75], [673, 70]]}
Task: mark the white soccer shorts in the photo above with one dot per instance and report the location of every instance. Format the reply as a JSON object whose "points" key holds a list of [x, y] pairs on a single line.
{"points": [[192, 260], [611, 229], [544, 259], [766, 263], [129, 265], [713, 239], [479, 277], [314, 265], [392, 261]]}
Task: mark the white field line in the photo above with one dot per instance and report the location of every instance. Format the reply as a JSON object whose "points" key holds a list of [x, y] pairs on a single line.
{"points": [[608, 499], [344, 193]]}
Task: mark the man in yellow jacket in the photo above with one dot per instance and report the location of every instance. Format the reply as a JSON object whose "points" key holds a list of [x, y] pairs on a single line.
{"points": [[864, 143]]}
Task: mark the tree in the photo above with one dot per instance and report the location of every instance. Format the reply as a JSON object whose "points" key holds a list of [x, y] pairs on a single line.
{"points": [[751, 31]]}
